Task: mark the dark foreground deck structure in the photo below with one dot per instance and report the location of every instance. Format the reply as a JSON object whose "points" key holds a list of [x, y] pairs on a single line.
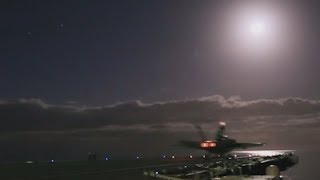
{"points": [[248, 167]]}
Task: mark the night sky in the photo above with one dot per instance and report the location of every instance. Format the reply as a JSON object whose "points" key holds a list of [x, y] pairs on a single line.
{"points": [[98, 53], [79, 76]]}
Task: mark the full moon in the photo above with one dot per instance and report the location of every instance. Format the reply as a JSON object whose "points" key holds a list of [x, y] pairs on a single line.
{"points": [[258, 28]]}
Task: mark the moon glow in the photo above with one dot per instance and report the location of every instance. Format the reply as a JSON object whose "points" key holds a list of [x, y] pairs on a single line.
{"points": [[258, 28]]}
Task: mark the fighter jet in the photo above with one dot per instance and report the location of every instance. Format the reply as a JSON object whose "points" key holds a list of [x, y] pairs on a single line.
{"points": [[221, 145]]}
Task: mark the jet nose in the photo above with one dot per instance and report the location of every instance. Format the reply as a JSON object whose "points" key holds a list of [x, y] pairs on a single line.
{"points": [[294, 159]]}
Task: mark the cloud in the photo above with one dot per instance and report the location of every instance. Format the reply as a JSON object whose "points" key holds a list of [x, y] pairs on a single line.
{"points": [[37, 115], [69, 130]]}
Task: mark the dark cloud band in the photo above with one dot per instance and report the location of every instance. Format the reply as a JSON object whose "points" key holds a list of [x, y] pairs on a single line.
{"points": [[36, 115]]}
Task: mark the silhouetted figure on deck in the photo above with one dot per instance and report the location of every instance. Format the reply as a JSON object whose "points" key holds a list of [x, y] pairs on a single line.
{"points": [[92, 156]]}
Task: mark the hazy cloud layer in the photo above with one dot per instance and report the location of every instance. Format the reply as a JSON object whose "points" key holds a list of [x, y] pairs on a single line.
{"points": [[69, 131], [36, 115]]}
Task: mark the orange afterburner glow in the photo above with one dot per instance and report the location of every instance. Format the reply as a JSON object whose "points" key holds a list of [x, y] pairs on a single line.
{"points": [[208, 144]]}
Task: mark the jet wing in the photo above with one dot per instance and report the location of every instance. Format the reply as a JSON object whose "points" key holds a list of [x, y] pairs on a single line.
{"points": [[250, 145], [190, 144]]}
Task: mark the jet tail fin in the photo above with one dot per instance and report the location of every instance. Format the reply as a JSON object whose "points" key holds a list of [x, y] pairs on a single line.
{"points": [[201, 132]]}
